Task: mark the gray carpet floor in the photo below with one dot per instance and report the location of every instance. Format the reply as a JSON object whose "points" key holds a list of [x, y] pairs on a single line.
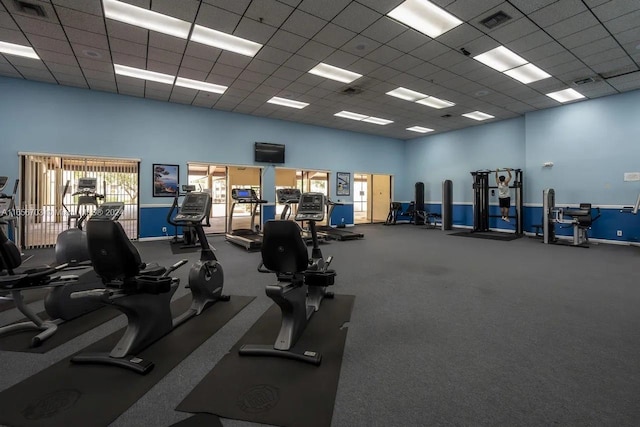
{"points": [[444, 331]]}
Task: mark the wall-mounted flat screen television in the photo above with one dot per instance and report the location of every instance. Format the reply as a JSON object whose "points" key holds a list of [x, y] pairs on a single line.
{"points": [[268, 153]]}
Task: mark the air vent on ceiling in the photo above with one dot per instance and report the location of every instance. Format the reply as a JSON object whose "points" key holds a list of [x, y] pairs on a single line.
{"points": [[351, 90], [496, 19], [584, 81], [29, 8]]}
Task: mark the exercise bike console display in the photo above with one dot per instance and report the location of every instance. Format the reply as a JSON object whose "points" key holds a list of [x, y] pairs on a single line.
{"points": [[288, 195], [194, 208], [311, 207]]}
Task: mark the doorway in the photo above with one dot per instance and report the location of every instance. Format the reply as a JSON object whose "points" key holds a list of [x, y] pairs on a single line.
{"points": [[216, 179], [372, 197]]}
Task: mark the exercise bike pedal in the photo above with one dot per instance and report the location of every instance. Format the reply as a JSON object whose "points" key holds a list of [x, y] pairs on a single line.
{"points": [[224, 298]]}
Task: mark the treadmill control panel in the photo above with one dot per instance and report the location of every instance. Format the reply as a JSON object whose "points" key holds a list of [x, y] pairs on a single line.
{"points": [[288, 195], [194, 209], [245, 195], [311, 207]]}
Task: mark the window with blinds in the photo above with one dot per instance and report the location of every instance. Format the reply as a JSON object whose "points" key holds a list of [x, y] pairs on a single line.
{"points": [[44, 211]]}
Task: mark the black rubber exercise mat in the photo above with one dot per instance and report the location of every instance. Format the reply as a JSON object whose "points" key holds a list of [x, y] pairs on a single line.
{"points": [[21, 341], [273, 390], [200, 420], [29, 297], [490, 235], [65, 394]]}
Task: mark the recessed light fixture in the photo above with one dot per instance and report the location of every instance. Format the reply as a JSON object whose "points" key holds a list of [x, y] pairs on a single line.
{"points": [[566, 95], [420, 98], [287, 102], [139, 73], [407, 94], [145, 18], [419, 129], [334, 73], [500, 59], [478, 115], [224, 41], [363, 118], [18, 50], [425, 17], [198, 85], [527, 73], [377, 121], [434, 102]]}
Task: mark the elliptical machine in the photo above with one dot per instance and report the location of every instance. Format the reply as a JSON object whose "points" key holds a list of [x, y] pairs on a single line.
{"points": [[146, 299], [71, 244], [302, 281]]}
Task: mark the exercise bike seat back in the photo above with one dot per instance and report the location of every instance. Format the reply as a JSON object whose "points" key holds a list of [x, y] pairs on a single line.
{"points": [[117, 261], [283, 249]]}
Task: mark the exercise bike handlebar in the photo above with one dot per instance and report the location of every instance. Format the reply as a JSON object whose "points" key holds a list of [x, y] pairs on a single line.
{"points": [[174, 267]]}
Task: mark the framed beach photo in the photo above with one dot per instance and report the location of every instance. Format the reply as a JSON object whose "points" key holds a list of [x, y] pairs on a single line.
{"points": [[343, 184], [165, 180]]}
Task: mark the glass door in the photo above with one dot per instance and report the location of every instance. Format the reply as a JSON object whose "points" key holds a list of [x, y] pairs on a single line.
{"points": [[361, 186], [372, 197], [212, 179], [244, 177]]}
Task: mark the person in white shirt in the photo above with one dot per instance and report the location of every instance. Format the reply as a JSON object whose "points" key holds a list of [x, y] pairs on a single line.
{"points": [[504, 196]]}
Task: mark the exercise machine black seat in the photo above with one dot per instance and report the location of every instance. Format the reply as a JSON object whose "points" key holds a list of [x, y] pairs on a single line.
{"points": [[301, 281], [145, 299]]}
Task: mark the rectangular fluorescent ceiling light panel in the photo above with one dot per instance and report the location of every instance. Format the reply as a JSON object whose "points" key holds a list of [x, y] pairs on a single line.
{"points": [[407, 94], [287, 102], [363, 118], [566, 95], [224, 41], [334, 73], [434, 102], [500, 59], [419, 129], [377, 121], [143, 74], [350, 115], [478, 115], [425, 17], [18, 50], [527, 73], [198, 85], [145, 18]]}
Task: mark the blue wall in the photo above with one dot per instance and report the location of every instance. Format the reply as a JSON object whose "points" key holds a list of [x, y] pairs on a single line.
{"points": [[45, 118], [591, 143]]}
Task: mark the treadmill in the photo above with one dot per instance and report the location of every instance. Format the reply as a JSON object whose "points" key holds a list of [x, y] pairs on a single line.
{"points": [[336, 233], [249, 238], [289, 197]]}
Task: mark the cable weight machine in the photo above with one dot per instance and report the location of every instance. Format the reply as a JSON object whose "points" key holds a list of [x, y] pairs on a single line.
{"points": [[481, 189]]}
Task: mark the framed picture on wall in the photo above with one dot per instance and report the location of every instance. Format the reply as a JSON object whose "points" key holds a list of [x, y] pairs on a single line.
{"points": [[344, 184], [165, 180]]}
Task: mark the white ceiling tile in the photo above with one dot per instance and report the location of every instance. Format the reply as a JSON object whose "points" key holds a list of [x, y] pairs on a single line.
{"points": [[614, 9], [449, 59], [273, 55], [356, 17], [303, 24], [467, 9], [514, 30], [260, 66], [58, 58], [162, 67], [84, 21], [384, 30], [287, 41], [243, 84], [364, 66], [405, 63], [528, 6], [87, 38], [360, 46], [315, 50], [7, 22], [341, 59], [90, 64], [325, 9], [333, 35], [384, 55], [127, 47], [217, 18], [430, 50], [183, 9], [53, 45], [189, 73], [572, 25], [254, 31], [65, 69], [99, 75], [383, 73], [202, 51], [595, 46], [36, 74], [540, 52], [289, 74], [424, 69], [409, 40], [236, 6], [127, 32], [234, 59], [530, 41], [94, 8], [252, 76], [269, 12], [94, 53], [167, 42], [461, 36], [557, 12], [624, 23], [615, 67], [300, 63], [164, 56], [226, 70]]}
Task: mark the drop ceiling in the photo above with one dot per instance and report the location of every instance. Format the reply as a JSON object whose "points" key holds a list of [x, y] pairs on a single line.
{"points": [[571, 40]]}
